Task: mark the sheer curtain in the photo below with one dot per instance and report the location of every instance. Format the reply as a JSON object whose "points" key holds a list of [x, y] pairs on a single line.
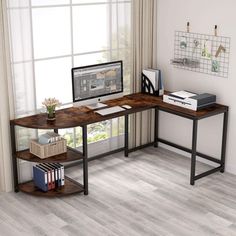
{"points": [[49, 37], [5, 107], [144, 28]]}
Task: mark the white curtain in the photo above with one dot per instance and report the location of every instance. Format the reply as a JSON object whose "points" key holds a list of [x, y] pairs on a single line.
{"points": [[18, 80], [144, 28], [6, 105], [20, 32], [37, 60]]}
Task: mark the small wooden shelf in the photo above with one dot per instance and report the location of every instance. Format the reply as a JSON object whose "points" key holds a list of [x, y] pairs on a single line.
{"points": [[70, 187], [70, 155]]}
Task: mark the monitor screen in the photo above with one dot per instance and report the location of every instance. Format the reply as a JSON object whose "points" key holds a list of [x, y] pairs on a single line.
{"points": [[95, 81]]}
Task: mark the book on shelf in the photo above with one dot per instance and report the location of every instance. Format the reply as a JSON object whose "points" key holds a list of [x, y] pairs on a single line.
{"points": [[55, 169], [51, 171], [48, 176], [49, 137], [40, 178], [62, 174]]}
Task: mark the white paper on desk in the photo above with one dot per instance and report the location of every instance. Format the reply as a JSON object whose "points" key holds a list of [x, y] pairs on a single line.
{"points": [[183, 94]]}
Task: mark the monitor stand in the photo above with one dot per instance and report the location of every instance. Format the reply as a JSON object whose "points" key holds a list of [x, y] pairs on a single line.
{"points": [[96, 106]]}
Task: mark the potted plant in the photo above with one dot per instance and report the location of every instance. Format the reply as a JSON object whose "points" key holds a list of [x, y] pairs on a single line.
{"points": [[51, 104]]}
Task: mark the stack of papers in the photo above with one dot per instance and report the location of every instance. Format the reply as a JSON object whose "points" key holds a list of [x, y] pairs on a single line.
{"points": [[182, 94]]}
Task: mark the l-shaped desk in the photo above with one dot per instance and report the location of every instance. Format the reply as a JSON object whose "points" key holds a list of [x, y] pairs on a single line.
{"points": [[82, 116]]}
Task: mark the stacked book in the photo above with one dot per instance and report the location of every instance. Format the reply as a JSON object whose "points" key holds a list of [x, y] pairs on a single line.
{"points": [[48, 176], [49, 137]]}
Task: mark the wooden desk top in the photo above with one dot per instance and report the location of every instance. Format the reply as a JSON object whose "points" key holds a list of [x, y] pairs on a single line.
{"points": [[79, 116]]}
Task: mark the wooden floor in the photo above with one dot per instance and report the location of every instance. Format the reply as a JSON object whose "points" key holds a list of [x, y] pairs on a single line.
{"points": [[145, 194]]}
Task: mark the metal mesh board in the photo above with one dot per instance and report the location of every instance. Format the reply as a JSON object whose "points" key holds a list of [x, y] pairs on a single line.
{"points": [[198, 52]]}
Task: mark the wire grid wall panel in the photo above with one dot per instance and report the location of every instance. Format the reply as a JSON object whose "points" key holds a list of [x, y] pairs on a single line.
{"points": [[189, 47]]}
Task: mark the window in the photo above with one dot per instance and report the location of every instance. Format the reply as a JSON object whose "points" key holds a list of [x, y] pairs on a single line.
{"points": [[49, 37]]}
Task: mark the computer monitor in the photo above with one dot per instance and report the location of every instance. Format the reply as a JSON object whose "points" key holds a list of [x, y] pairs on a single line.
{"points": [[96, 83]]}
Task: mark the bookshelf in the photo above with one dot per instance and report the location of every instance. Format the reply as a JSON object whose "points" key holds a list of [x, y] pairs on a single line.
{"points": [[71, 186]]}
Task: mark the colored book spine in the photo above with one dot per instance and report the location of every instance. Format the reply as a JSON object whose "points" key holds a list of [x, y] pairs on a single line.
{"points": [[48, 175], [52, 175], [61, 174], [40, 178]]}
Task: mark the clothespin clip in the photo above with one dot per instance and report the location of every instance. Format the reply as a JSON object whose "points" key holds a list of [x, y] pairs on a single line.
{"points": [[216, 30], [219, 50], [188, 27]]}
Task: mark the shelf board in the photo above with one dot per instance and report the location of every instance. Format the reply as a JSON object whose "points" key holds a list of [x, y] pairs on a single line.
{"points": [[70, 155], [70, 187]]}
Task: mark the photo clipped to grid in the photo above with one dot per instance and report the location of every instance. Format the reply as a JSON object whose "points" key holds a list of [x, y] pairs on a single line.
{"points": [[202, 53]]}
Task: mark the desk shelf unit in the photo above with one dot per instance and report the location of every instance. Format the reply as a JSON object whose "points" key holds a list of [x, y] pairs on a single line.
{"points": [[71, 186]]}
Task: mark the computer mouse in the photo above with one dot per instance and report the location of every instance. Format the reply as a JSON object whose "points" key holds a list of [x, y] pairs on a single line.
{"points": [[127, 106]]}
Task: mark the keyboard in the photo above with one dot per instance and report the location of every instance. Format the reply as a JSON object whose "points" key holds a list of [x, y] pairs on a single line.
{"points": [[110, 110]]}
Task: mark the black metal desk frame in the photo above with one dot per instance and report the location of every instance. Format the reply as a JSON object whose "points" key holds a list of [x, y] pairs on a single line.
{"points": [[193, 150]]}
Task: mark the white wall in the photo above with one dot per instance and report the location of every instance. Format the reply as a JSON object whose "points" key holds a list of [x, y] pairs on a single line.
{"points": [[202, 15]]}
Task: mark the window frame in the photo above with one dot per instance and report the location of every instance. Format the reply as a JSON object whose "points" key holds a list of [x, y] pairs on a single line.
{"points": [[110, 51]]}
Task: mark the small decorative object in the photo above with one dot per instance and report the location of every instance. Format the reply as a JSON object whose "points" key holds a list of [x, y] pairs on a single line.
{"points": [[215, 67], [183, 42], [191, 63], [219, 50], [195, 46], [206, 49], [51, 104]]}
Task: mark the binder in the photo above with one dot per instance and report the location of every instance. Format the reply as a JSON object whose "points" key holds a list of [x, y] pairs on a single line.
{"points": [[62, 174], [52, 174], [56, 174], [59, 173], [48, 175], [40, 178]]}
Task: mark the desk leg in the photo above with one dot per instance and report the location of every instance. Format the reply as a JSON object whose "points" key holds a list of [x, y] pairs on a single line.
{"points": [[126, 135], [224, 136], [194, 152], [156, 127], [14, 159], [85, 159]]}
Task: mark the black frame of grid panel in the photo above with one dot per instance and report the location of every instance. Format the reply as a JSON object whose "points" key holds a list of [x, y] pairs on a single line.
{"points": [[205, 64]]}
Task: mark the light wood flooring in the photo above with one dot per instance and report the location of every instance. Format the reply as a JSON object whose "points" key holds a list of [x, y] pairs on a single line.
{"points": [[145, 194]]}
